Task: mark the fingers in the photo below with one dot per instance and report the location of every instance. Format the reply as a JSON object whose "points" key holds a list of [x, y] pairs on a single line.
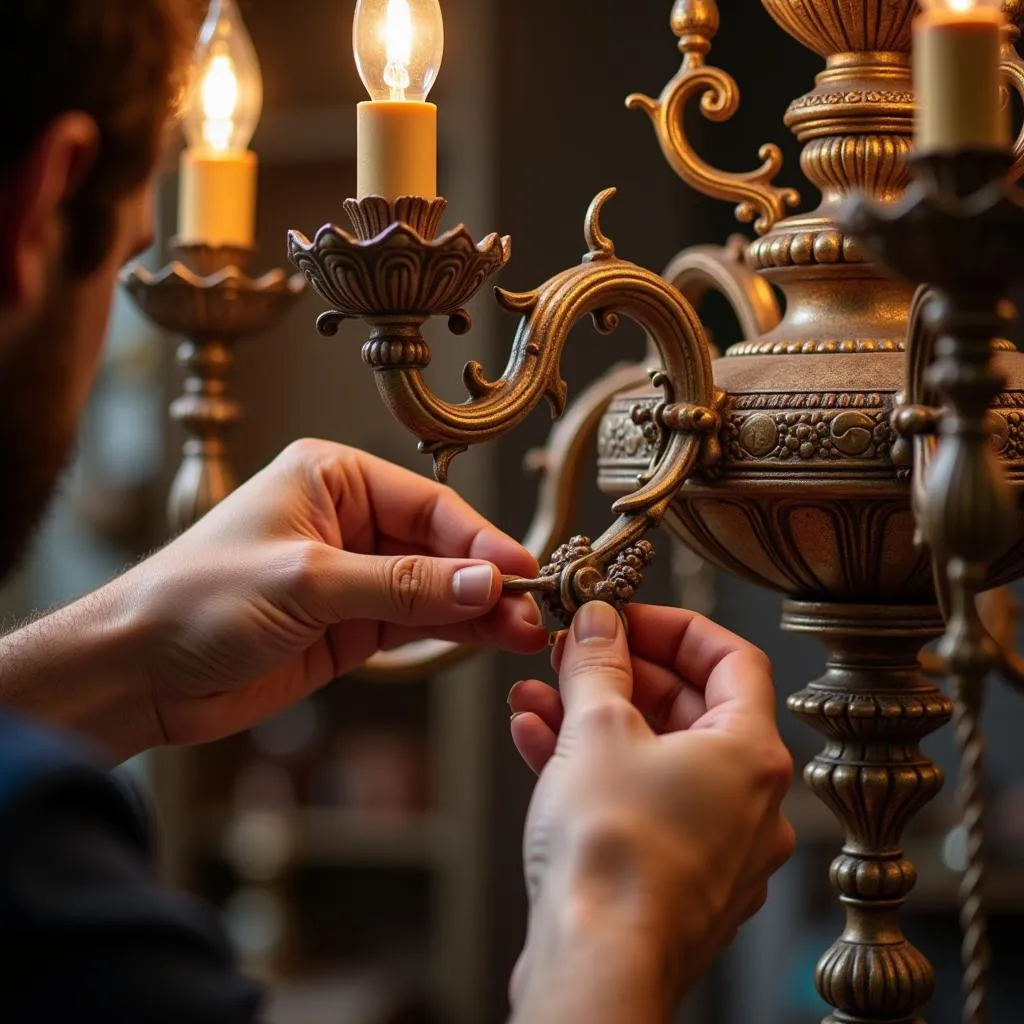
{"points": [[410, 509], [735, 675], [534, 739], [514, 624], [595, 666], [539, 699], [666, 700], [413, 590]]}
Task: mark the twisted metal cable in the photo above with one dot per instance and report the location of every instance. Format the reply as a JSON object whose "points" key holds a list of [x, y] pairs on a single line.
{"points": [[975, 949]]}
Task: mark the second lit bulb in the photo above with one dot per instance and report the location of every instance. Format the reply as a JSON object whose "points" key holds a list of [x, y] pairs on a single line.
{"points": [[399, 45], [227, 95]]}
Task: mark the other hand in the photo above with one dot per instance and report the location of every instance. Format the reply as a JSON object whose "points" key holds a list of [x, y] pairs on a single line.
{"points": [[321, 560], [656, 821]]}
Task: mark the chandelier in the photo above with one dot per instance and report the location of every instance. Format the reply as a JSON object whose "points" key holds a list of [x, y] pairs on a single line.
{"points": [[861, 451]]}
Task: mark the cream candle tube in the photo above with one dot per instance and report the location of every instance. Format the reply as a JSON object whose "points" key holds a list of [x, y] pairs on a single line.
{"points": [[957, 78], [396, 150], [217, 197]]}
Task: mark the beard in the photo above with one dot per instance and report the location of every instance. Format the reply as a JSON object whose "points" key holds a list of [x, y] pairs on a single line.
{"points": [[39, 408]]}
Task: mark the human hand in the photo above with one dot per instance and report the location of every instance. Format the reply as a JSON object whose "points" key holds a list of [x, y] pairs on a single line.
{"points": [[321, 560], [645, 847]]}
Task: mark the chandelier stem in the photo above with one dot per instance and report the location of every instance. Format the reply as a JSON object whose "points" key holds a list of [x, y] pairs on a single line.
{"points": [[874, 706]]}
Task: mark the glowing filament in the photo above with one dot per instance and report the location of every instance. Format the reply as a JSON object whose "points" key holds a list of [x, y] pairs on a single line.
{"points": [[398, 41], [220, 95]]}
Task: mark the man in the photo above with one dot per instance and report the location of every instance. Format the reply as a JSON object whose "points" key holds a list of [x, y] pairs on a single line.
{"points": [[646, 846]]}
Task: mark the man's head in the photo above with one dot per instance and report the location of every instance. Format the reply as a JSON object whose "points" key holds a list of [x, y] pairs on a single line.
{"points": [[86, 89]]}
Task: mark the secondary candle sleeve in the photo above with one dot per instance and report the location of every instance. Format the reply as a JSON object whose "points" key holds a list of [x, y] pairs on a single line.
{"points": [[957, 78], [217, 198]]}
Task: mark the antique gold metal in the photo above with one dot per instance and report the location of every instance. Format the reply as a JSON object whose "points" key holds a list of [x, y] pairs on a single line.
{"points": [[398, 278], [825, 460], [205, 296]]}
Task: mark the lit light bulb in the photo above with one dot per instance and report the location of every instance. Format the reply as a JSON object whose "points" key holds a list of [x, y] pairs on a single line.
{"points": [[399, 45], [226, 100]]}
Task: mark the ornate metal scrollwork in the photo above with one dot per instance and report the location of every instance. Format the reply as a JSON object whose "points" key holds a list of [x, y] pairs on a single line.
{"points": [[398, 278], [696, 23]]}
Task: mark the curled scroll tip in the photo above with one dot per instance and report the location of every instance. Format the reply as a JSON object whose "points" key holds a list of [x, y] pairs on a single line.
{"points": [[599, 245]]}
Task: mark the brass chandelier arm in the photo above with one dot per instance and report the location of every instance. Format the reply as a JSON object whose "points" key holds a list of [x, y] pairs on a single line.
{"points": [[560, 465], [696, 22], [397, 278], [722, 268], [603, 287]]}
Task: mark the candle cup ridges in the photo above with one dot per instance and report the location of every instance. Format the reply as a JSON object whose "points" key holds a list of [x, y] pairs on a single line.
{"points": [[206, 297]]}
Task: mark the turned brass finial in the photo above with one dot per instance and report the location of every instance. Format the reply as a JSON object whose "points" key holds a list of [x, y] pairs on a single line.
{"points": [[696, 23]]}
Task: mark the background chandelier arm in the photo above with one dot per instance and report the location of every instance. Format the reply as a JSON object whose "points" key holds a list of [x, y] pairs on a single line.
{"points": [[722, 268], [696, 22], [1013, 75]]}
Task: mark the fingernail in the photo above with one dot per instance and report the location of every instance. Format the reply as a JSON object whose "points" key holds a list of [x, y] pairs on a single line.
{"points": [[595, 621], [517, 714], [473, 586], [512, 691]]}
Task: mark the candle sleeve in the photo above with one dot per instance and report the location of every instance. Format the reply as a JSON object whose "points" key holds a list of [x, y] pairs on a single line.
{"points": [[217, 197], [397, 150], [957, 78]]}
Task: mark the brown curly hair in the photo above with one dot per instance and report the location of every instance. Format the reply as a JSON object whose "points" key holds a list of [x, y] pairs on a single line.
{"points": [[124, 63]]}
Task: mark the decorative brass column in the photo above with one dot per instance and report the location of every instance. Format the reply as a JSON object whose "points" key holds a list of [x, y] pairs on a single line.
{"points": [[874, 706], [205, 296]]}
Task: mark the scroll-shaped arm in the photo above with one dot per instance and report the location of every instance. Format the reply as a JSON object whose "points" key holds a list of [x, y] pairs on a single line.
{"points": [[696, 22], [398, 278], [560, 465], [687, 422]]}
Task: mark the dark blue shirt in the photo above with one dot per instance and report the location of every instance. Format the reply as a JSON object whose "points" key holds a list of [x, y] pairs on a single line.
{"points": [[87, 935]]}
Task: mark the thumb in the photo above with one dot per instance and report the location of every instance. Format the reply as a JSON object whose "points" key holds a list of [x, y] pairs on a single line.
{"points": [[413, 590], [596, 667]]}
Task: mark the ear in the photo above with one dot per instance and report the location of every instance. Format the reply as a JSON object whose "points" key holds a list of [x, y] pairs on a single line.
{"points": [[31, 211]]}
